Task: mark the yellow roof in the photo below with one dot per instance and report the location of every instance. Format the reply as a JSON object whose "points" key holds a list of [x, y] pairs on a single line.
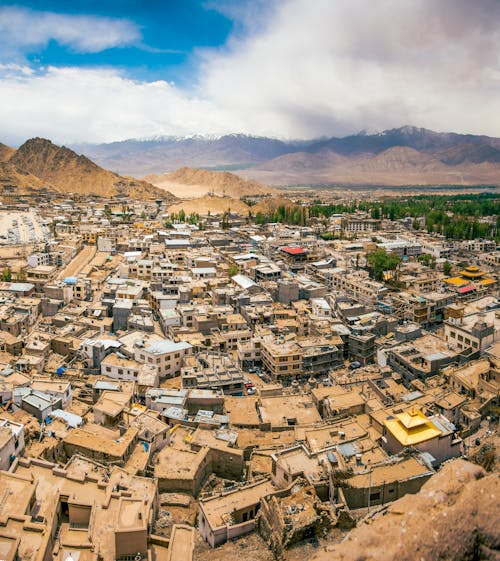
{"points": [[456, 281], [487, 281], [413, 418], [472, 274], [411, 427]]}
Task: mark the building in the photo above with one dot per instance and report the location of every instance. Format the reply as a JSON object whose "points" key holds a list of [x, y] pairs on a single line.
{"points": [[474, 329], [232, 514], [281, 357], [412, 429], [166, 355], [119, 368], [11, 442]]}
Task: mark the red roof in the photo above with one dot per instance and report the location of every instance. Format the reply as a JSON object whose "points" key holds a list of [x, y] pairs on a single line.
{"points": [[465, 289], [293, 250]]}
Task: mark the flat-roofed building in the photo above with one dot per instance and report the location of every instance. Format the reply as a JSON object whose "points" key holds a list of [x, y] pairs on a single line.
{"points": [[474, 330], [11, 442], [82, 511], [384, 483], [120, 368], [281, 357], [232, 514], [166, 355], [101, 444]]}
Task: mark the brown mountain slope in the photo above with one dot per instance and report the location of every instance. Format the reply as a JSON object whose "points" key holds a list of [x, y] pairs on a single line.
{"points": [[15, 181], [191, 182], [396, 166], [6, 152], [453, 517], [68, 172]]}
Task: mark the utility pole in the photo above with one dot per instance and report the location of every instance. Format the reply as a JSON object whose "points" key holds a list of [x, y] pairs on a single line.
{"points": [[369, 488]]}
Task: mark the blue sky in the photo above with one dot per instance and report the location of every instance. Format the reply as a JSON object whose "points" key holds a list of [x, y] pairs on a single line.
{"points": [[170, 32], [89, 71]]}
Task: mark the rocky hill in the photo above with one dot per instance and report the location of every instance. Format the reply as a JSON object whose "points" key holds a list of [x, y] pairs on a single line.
{"points": [[40, 162], [189, 182], [454, 517]]}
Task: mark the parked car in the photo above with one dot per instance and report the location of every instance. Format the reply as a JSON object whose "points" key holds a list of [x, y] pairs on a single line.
{"points": [[251, 391], [354, 365]]}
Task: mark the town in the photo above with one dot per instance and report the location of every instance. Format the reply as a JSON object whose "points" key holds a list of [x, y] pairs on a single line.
{"points": [[173, 382]]}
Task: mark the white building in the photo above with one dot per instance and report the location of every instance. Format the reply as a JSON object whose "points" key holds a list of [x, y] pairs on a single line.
{"points": [[11, 442], [166, 355], [126, 369]]}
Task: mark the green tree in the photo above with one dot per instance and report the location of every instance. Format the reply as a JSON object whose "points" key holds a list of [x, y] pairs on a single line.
{"points": [[447, 268], [7, 274], [380, 261], [233, 270]]}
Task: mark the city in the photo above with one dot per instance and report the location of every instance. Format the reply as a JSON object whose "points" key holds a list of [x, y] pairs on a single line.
{"points": [[249, 280], [193, 381]]}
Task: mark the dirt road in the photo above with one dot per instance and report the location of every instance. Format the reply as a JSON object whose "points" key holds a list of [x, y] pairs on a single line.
{"points": [[78, 262]]}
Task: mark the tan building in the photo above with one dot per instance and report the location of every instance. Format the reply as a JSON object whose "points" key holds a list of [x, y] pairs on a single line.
{"points": [[282, 358], [80, 512], [232, 514]]}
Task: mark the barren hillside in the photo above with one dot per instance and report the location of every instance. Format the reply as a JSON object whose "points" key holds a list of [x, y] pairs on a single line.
{"points": [[6, 152], [15, 181], [190, 182], [454, 517], [68, 172]]}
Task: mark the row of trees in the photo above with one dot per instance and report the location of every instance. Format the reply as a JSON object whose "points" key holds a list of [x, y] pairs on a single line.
{"points": [[294, 214], [454, 216]]}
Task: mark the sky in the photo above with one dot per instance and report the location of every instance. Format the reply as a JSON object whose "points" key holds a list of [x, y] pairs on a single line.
{"points": [[101, 71]]}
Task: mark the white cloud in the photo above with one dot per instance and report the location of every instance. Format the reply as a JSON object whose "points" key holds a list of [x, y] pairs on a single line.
{"points": [[328, 67], [23, 30], [301, 69], [97, 105]]}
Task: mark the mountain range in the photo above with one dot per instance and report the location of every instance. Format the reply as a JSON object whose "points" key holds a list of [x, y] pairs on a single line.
{"points": [[40, 164], [403, 156]]}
